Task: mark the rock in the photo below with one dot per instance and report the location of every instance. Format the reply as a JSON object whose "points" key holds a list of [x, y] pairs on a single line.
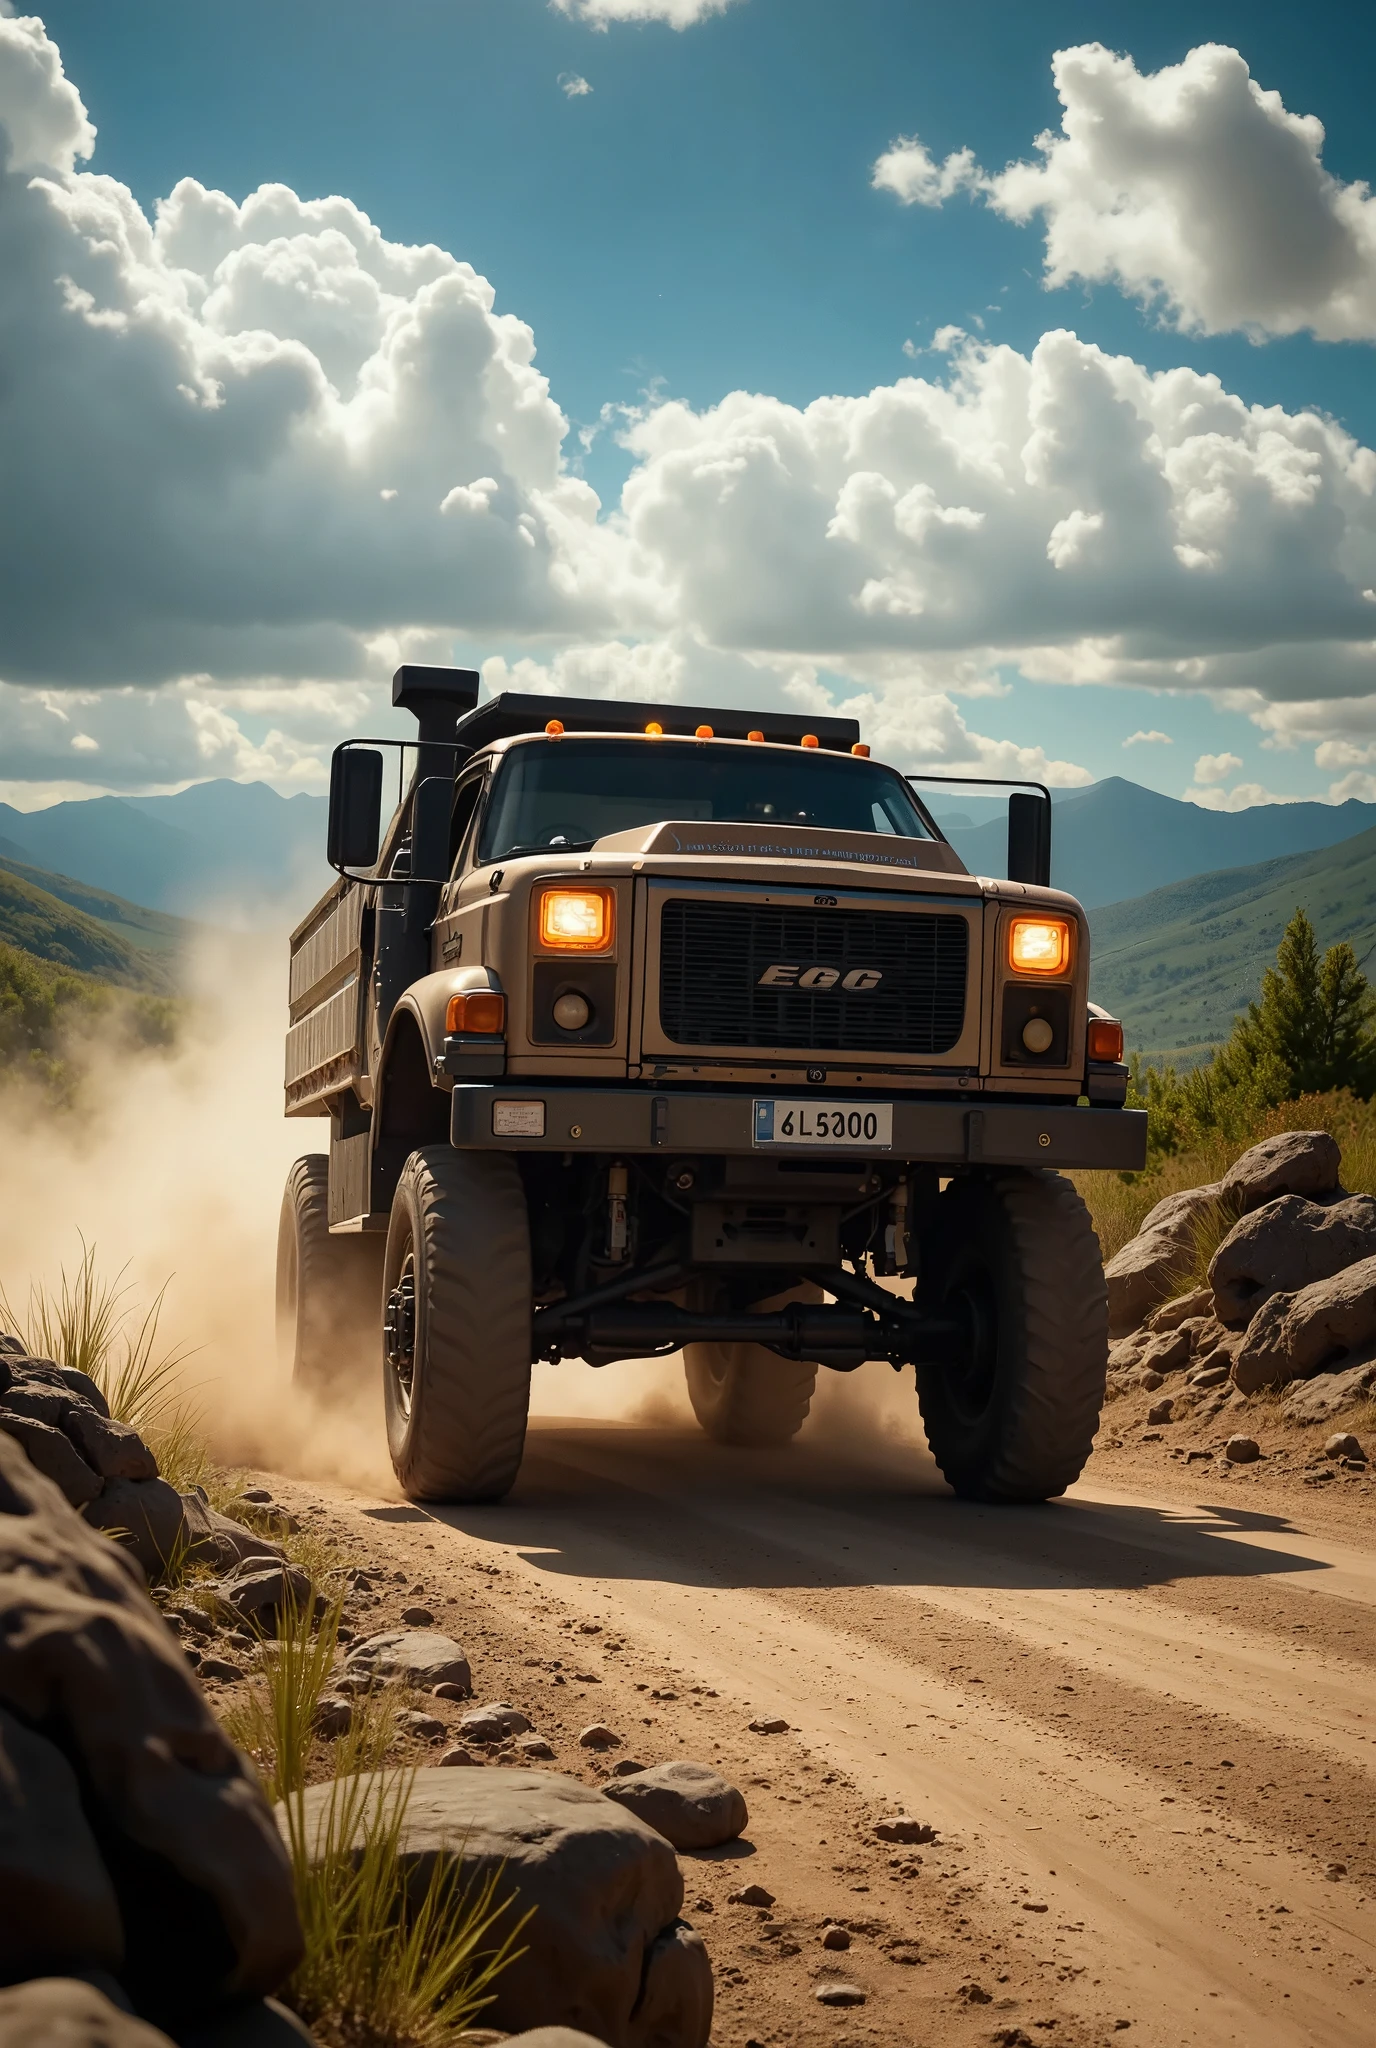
{"points": [[597, 1736], [627, 1767], [1182, 1308], [774, 1724], [1344, 1446], [901, 1827], [60, 1911], [548, 2037], [262, 1592], [1333, 1871], [1124, 1354], [492, 1724], [146, 1515], [1323, 1328], [449, 1691], [1286, 1245], [605, 1952], [458, 1755], [1150, 1381], [1242, 1450], [1209, 1376], [1292, 1163], [1167, 1353], [835, 1937], [419, 1657], [417, 1617], [839, 1994], [219, 1671], [203, 1887], [536, 1749], [690, 1805], [333, 1716], [425, 1727], [63, 2012], [1161, 1411], [1328, 1393], [215, 1539], [112, 1449], [53, 1454], [750, 1895], [258, 1496]]}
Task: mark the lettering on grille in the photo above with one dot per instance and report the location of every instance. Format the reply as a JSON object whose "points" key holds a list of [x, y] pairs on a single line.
{"points": [[837, 980]]}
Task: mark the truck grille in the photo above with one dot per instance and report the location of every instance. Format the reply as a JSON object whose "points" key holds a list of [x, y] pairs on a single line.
{"points": [[712, 957]]}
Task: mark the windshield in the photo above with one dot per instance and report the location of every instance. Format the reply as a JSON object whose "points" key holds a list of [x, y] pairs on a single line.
{"points": [[570, 792]]}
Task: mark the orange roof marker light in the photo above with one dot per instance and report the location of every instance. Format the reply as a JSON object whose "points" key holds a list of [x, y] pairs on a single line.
{"points": [[704, 732], [655, 729], [754, 735], [555, 728], [861, 749], [810, 739]]}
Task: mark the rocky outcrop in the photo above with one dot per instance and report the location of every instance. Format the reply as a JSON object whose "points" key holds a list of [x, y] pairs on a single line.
{"points": [[1328, 1394], [134, 1837], [606, 1952], [1150, 1266], [1291, 1163], [691, 1806], [1327, 1328], [1285, 1246], [419, 1657], [62, 1422]]}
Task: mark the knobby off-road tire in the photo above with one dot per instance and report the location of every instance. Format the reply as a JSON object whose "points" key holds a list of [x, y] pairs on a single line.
{"points": [[329, 1289], [1015, 1258], [745, 1394], [457, 1378]]}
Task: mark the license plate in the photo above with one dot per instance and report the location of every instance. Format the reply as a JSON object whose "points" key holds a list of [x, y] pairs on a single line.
{"points": [[851, 1126]]}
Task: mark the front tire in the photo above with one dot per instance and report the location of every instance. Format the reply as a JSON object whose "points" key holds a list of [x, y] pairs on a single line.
{"points": [[329, 1288], [1015, 1260], [746, 1394], [456, 1338]]}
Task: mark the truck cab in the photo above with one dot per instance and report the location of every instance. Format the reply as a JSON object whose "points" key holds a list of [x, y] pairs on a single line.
{"points": [[645, 1029]]}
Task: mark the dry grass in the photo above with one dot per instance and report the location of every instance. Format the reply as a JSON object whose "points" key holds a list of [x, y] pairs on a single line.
{"points": [[383, 1968]]}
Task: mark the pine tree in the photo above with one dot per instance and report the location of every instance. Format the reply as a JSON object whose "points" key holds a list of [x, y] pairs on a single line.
{"points": [[1314, 1028]]}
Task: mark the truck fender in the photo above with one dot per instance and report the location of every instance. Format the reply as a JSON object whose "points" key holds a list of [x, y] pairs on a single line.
{"points": [[423, 1007]]}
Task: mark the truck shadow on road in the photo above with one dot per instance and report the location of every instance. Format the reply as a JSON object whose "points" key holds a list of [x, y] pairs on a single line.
{"points": [[610, 1501]]}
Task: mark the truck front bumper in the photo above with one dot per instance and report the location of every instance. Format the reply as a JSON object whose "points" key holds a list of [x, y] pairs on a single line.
{"points": [[521, 1117]]}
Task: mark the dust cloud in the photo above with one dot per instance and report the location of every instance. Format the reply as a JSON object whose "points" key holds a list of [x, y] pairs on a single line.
{"points": [[171, 1165]]}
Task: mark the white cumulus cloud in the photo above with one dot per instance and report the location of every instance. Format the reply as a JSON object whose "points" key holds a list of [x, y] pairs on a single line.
{"points": [[1149, 739], [600, 14], [1193, 188], [914, 176], [573, 85], [1216, 767]]}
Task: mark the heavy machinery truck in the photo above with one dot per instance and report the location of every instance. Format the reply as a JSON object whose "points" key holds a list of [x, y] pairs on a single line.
{"points": [[645, 1029]]}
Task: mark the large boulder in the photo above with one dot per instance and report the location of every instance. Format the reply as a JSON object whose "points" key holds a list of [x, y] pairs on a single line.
{"points": [[198, 1873], [64, 2012], [691, 1806], [1285, 1246], [1328, 1394], [60, 1913], [1325, 1328], [1291, 1163], [415, 1656], [1151, 1266], [605, 1952]]}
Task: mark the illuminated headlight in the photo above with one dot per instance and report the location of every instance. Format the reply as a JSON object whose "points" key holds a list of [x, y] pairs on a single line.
{"points": [[1039, 945], [577, 920]]}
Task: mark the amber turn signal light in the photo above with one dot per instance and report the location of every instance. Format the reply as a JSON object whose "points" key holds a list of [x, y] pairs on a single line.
{"points": [[1106, 1040], [810, 739], [577, 920], [482, 1009], [1039, 945], [754, 735], [704, 732]]}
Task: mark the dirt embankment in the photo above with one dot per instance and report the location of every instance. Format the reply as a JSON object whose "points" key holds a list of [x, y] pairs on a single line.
{"points": [[1140, 1725]]}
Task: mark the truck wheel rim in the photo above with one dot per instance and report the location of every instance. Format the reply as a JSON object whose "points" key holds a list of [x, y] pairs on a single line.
{"points": [[399, 1330]]}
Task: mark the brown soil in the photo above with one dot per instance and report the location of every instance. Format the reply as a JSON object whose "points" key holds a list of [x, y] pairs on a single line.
{"points": [[1140, 1721]]}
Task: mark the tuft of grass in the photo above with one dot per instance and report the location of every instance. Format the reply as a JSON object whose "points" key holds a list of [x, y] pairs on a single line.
{"points": [[87, 1322], [383, 1966]]}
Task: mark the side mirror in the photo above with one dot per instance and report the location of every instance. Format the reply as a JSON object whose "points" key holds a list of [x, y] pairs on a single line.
{"points": [[1029, 839], [355, 826]]}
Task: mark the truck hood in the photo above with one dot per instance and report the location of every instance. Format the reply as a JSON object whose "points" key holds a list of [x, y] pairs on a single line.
{"points": [[787, 842]]}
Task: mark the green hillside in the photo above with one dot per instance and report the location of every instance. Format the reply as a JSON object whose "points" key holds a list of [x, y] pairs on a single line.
{"points": [[1177, 965], [87, 930]]}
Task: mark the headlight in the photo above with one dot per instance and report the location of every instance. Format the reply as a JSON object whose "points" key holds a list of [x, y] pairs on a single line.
{"points": [[1039, 945], [577, 920]]}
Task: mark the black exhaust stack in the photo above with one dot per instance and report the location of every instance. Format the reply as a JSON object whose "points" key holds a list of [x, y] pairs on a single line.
{"points": [[436, 697]]}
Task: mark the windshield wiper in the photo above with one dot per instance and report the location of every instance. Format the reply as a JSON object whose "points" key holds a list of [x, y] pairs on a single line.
{"points": [[544, 846]]}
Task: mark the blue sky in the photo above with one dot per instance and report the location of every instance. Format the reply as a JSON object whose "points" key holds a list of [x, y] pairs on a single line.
{"points": [[702, 221]]}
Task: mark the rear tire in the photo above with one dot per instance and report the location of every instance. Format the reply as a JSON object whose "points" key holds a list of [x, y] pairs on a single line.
{"points": [[456, 1339], [746, 1394], [1016, 1259], [329, 1289]]}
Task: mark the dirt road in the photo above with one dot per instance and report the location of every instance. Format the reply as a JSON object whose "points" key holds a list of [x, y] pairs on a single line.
{"points": [[1144, 1731]]}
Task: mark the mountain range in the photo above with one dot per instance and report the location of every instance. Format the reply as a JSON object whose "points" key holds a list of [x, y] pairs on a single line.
{"points": [[234, 852]]}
